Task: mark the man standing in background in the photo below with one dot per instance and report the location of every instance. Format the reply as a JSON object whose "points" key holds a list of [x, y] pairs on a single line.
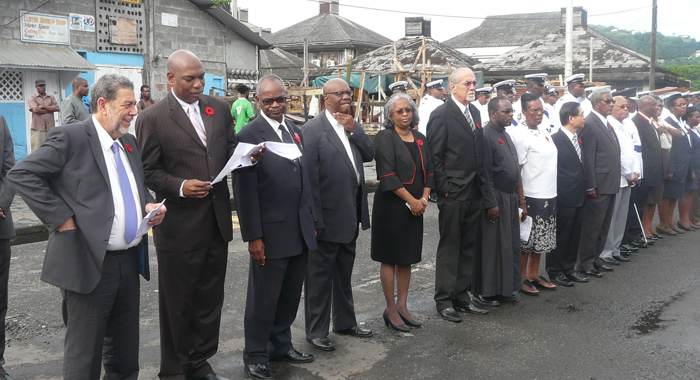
{"points": [[42, 106], [242, 109], [146, 100], [433, 98], [483, 95], [73, 109]]}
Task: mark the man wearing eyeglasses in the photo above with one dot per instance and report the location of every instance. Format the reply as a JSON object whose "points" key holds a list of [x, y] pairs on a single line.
{"points": [[335, 148], [601, 162], [276, 213], [455, 138]]}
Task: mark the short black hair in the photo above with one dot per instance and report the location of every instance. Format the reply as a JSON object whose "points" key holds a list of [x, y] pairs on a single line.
{"points": [[242, 89], [526, 99], [495, 103], [568, 110], [689, 111], [144, 86]]}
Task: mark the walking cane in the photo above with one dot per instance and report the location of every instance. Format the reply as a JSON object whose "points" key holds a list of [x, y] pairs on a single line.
{"points": [[640, 223]]}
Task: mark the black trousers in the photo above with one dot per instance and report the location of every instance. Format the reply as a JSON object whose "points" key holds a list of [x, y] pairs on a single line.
{"points": [[274, 292], [104, 324], [562, 259], [634, 229], [190, 297], [597, 214], [5, 253], [460, 242], [328, 286]]}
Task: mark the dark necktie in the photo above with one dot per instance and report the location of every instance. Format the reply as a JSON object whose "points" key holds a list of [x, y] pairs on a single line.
{"points": [[612, 133], [130, 215], [287, 139], [468, 115]]}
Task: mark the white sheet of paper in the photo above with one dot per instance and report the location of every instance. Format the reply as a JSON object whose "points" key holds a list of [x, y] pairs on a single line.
{"points": [[240, 158], [288, 151], [144, 227], [525, 228]]}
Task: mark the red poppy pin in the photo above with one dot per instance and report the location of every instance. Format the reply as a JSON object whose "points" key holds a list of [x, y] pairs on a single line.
{"points": [[128, 147], [579, 140], [547, 138], [420, 142], [209, 111], [478, 126], [500, 141], [296, 137]]}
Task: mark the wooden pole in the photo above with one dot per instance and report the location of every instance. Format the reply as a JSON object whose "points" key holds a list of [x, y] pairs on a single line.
{"points": [[305, 82], [347, 76], [569, 43], [358, 110], [652, 58], [590, 66]]}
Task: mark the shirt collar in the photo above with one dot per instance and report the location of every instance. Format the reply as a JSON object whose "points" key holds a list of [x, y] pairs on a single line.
{"points": [[106, 141], [568, 134], [614, 122], [461, 106], [331, 119], [184, 104], [601, 117], [273, 123]]}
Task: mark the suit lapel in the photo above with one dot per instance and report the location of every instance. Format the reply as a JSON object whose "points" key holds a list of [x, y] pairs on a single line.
{"points": [[266, 131], [606, 130], [335, 141], [178, 115], [96, 148], [459, 116], [206, 118]]}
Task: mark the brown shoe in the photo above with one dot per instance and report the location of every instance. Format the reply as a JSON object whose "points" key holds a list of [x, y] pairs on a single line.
{"points": [[678, 230], [666, 231]]}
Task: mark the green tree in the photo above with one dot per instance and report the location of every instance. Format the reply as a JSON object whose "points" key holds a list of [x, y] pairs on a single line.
{"points": [[689, 72]]}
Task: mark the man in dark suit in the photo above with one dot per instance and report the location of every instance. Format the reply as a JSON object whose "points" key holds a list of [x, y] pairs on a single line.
{"points": [[336, 146], [186, 140], [276, 213], [571, 192], [86, 184], [455, 140], [7, 230], [601, 164]]}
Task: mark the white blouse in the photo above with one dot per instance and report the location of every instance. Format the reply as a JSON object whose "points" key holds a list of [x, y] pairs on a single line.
{"points": [[538, 156]]}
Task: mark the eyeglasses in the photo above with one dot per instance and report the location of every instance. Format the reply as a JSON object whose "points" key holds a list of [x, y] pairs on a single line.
{"points": [[340, 94], [401, 111], [608, 101], [506, 112], [536, 110], [469, 84], [279, 100], [623, 106]]}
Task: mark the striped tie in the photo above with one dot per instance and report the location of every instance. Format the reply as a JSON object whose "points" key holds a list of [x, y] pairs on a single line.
{"points": [[192, 113], [576, 146], [468, 115]]}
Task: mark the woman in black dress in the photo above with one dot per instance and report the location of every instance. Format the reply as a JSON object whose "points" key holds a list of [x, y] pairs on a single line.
{"points": [[405, 175]]}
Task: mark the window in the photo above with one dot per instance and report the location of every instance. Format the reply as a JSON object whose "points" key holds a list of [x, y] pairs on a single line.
{"points": [[11, 86]]}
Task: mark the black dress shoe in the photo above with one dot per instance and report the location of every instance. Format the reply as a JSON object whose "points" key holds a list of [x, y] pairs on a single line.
{"points": [[471, 309], [6, 377], [609, 260], [399, 328], [322, 343], [258, 371], [411, 322], [642, 243], [511, 298], [629, 248], [625, 254], [684, 227], [450, 314], [577, 277], [658, 237], [487, 301], [593, 273], [295, 357], [355, 331], [603, 268], [624, 259], [563, 281]]}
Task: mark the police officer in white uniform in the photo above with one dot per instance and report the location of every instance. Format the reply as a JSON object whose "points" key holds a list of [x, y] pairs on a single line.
{"points": [[575, 92], [483, 95], [505, 89], [433, 98], [400, 86], [535, 85]]}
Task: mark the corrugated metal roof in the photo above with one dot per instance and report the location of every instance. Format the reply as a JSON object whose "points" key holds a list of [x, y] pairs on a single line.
{"points": [[43, 57]]}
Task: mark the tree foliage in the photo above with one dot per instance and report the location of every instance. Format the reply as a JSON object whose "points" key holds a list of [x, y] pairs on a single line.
{"points": [[221, 2], [690, 72]]}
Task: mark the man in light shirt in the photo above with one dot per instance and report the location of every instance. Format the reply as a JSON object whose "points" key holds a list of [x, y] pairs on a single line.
{"points": [[433, 98]]}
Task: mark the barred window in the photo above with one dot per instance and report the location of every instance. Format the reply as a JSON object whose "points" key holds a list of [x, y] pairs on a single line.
{"points": [[11, 85]]}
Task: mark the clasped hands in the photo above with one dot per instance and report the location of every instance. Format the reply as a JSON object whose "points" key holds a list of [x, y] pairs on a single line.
{"points": [[418, 206]]}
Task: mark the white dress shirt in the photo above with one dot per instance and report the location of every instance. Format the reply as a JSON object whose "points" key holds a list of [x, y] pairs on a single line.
{"points": [[571, 138], [275, 125], [428, 104], [343, 136], [538, 156], [116, 236], [185, 107], [628, 158]]}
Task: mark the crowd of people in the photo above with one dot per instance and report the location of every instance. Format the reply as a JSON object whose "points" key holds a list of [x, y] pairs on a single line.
{"points": [[513, 180]]}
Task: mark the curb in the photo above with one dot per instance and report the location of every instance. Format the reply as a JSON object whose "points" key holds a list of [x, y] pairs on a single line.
{"points": [[39, 232]]}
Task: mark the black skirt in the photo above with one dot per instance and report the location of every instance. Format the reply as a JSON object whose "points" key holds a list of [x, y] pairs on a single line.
{"points": [[397, 235]]}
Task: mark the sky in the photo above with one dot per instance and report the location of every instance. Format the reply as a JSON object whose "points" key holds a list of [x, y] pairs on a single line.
{"points": [[677, 17]]}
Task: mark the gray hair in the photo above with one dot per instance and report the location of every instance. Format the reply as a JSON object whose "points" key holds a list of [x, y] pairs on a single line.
{"points": [[269, 77], [107, 87], [389, 110], [597, 95]]}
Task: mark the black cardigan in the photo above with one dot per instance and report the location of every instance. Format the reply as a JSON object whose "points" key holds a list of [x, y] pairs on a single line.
{"points": [[395, 166]]}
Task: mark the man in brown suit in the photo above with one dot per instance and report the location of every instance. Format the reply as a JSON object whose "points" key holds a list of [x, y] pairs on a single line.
{"points": [[185, 140]]}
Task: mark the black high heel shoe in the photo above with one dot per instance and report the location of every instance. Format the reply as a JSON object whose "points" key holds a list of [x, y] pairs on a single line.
{"points": [[411, 323], [399, 328]]}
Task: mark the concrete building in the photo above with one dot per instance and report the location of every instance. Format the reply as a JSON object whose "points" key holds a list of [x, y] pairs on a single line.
{"points": [[62, 39]]}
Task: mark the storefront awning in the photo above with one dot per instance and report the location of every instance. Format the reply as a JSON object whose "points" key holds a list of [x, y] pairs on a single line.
{"points": [[43, 57]]}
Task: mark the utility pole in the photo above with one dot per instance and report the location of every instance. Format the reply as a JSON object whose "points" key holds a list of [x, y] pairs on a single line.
{"points": [[569, 50], [652, 68]]}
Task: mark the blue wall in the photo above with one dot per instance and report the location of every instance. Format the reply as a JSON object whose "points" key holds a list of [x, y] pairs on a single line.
{"points": [[16, 121], [213, 81]]}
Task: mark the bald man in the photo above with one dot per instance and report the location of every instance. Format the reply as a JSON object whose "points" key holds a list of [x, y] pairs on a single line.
{"points": [[336, 146], [73, 109], [185, 141]]}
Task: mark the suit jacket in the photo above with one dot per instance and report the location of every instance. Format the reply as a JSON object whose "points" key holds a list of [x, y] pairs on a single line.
{"points": [[7, 192], [601, 156], [67, 177], [395, 165], [681, 154], [571, 186], [456, 154], [274, 202], [334, 184], [652, 163], [172, 153]]}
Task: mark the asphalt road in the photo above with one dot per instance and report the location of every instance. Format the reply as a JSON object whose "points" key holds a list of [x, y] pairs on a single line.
{"points": [[640, 322]]}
